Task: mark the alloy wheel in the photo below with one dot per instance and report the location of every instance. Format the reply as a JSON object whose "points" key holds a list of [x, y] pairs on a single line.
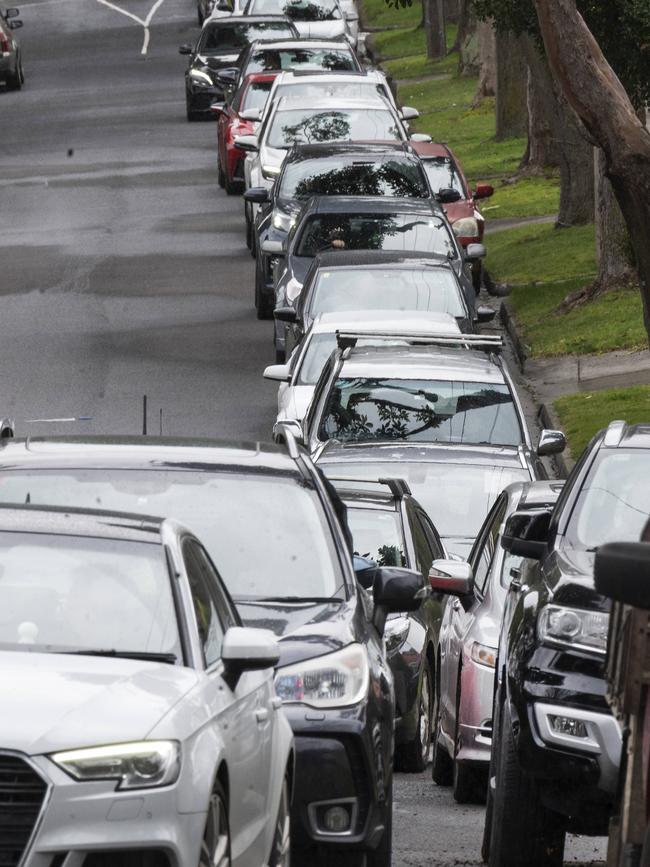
{"points": [[281, 853], [425, 718], [215, 848]]}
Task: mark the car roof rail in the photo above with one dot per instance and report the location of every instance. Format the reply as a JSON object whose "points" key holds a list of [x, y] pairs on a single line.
{"points": [[614, 433], [398, 487], [484, 342]]}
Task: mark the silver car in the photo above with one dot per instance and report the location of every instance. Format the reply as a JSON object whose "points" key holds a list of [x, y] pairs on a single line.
{"points": [[11, 63], [469, 635]]}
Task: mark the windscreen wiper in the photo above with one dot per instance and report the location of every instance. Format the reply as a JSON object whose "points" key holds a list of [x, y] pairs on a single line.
{"points": [[169, 658], [308, 600]]}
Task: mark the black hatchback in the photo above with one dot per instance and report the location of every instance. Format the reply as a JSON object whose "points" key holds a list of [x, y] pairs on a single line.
{"points": [[219, 45], [278, 531]]}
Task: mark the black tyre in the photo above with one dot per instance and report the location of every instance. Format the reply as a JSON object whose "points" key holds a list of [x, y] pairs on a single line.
{"points": [[263, 304], [190, 113], [249, 226], [221, 175], [413, 756], [215, 848], [442, 767], [233, 188], [382, 856], [280, 356], [469, 784], [477, 277], [15, 81], [522, 829], [281, 850]]}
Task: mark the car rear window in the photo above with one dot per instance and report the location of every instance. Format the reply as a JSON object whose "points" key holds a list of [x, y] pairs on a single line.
{"points": [[297, 10], [340, 176], [270, 59], [234, 37], [256, 95], [307, 126]]}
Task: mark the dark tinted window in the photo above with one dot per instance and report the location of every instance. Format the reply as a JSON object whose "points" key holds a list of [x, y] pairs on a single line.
{"points": [[332, 176], [483, 556], [443, 174], [297, 10], [205, 601], [234, 37], [270, 59]]}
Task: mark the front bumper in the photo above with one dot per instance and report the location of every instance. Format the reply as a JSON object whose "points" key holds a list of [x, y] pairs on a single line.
{"points": [[201, 98], [78, 820], [338, 763]]}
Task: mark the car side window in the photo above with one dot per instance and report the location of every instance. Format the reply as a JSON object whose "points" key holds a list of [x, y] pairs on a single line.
{"points": [[225, 606], [206, 603], [435, 544], [424, 554], [482, 556]]}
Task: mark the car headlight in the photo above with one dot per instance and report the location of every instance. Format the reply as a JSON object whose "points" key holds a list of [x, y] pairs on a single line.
{"points": [[334, 680], [140, 765], [270, 172], [573, 627], [396, 632], [200, 77], [283, 221], [466, 227], [484, 654]]}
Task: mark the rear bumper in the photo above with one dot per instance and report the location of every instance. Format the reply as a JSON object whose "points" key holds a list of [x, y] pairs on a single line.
{"points": [[475, 712]]}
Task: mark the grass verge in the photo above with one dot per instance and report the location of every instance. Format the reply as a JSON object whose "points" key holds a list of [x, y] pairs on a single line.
{"points": [[582, 415]]}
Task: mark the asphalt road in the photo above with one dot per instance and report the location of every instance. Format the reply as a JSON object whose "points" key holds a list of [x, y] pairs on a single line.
{"points": [[123, 272]]}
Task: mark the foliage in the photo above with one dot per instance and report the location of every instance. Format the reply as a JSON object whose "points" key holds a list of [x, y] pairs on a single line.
{"points": [[584, 414], [622, 29], [542, 253]]}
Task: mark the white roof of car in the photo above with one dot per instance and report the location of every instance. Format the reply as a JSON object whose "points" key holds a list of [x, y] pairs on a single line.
{"points": [[422, 362], [293, 76], [400, 323], [339, 103]]}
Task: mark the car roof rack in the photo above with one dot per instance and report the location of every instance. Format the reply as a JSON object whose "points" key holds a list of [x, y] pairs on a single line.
{"points": [[398, 487], [614, 433], [484, 342]]}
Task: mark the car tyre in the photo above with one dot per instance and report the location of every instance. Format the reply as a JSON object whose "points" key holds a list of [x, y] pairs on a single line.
{"points": [[442, 767], [382, 856], [233, 188], [221, 175], [190, 113], [281, 850], [215, 846], [16, 81], [413, 756], [263, 304], [249, 226], [522, 829], [469, 784]]}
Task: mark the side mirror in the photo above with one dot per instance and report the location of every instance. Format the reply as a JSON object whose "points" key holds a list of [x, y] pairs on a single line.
{"points": [[272, 248], [251, 114], [16, 24], [485, 313], [12, 12], [246, 649], [365, 569], [395, 590], [285, 314], [483, 191], [622, 572], [288, 426], [257, 195], [526, 533], [473, 252], [452, 577], [247, 143], [409, 113], [185, 49], [420, 137], [351, 16], [277, 372], [447, 195], [227, 76], [551, 442], [218, 108]]}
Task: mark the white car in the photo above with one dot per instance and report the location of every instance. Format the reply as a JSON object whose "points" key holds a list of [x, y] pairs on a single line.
{"points": [[315, 19], [226, 8], [139, 724], [298, 377]]}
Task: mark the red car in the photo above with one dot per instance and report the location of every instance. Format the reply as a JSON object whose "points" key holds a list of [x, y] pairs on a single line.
{"points": [[239, 117], [445, 173]]}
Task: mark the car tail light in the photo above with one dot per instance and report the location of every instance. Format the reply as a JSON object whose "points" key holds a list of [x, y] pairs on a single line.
{"points": [[5, 47]]}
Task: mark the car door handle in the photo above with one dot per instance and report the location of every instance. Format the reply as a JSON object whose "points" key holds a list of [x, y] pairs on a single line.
{"points": [[261, 714], [276, 703], [456, 605]]}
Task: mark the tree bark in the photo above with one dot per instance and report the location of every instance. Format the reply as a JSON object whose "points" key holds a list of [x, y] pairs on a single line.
{"points": [[600, 101], [543, 149], [511, 70], [613, 248], [467, 41], [453, 10], [487, 58], [434, 25]]}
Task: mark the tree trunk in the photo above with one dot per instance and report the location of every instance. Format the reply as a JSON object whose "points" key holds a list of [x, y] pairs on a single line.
{"points": [[453, 10], [434, 24], [600, 101], [487, 57], [511, 110], [543, 149], [467, 41], [613, 248]]}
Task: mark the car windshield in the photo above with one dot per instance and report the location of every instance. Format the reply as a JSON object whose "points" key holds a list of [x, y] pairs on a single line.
{"points": [[377, 534], [456, 496], [612, 506], [443, 175], [364, 409], [63, 592], [297, 10], [313, 88], [306, 126], [406, 233], [267, 535], [256, 95], [431, 289], [220, 37], [269, 59], [336, 176]]}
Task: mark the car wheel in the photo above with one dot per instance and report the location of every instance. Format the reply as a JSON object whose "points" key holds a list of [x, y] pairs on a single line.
{"points": [[382, 856], [221, 175], [413, 756], [442, 768], [281, 850], [15, 81], [263, 304], [249, 226], [233, 188], [522, 829], [477, 277], [190, 113], [215, 847]]}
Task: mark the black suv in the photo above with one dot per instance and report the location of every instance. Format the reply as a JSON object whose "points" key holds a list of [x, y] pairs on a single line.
{"points": [[391, 528], [555, 759], [277, 529]]}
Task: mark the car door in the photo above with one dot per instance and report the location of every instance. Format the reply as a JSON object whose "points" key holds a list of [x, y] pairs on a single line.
{"points": [[245, 724]]}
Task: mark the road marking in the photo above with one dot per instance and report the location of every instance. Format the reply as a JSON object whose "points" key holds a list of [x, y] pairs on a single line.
{"points": [[144, 22]]}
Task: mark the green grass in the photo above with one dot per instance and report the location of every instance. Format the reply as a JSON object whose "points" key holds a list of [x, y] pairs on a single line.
{"points": [[419, 66], [376, 14], [582, 415], [528, 197]]}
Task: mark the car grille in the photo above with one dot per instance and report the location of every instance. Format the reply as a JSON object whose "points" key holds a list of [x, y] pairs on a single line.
{"points": [[22, 793]]}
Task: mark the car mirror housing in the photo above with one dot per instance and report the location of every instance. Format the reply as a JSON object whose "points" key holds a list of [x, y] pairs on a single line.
{"points": [[218, 108], [447, 195], [483, 191], [473, 252], [12, 12], [285, 314], [622, 572], [272, 248], [247, 649], [257, 195], [252, 114], [288, 429], [247, 143], [526, 533], [15, 24], [227, 76], [365, 570], [420, 137], [277, 372], [551, 442], [452, 577], [185, 49], [409, 113], [395, 590], [484, 313]]}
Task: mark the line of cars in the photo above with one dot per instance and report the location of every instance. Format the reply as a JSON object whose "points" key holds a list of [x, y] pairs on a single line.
{"points": [[12, 74]]}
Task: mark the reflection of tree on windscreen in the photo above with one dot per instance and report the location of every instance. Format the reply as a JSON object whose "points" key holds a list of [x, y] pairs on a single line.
{"points": [[303, 10], [326, 126], [357, 233], [364, 179]]}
